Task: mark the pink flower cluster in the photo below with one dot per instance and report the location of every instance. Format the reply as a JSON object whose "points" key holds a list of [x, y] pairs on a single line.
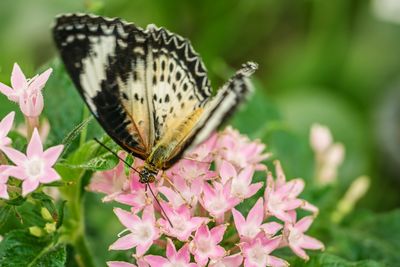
{"points": [[36, 166], [201, 196]]}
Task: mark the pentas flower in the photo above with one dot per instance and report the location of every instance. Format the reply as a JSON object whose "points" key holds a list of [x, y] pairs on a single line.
{"points": [[26, 92], [143, 231], [196, 209], [3, 182], [281, 196], [217, 199], [183, 193], [249, 228], [240, 151], [241, 186], [5, 126], [257, 252], [205, 246], [296, 238], [183, 224], [180, 258], [36, 166]]}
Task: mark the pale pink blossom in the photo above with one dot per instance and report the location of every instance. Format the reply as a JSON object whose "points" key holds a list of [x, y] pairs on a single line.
{"points": [[143, 231], [217, 199], [180, 258], [111, 182], [183, 224], [5, 127], [257, 252], [241, 186], [183, 193], [26, 92], [320, 137], [250, 227], [204, 245], [205, 151], [227, 261], [192, 170], [36, 166], [281, 196], [240, 151], [3, 182], [296, 238]]}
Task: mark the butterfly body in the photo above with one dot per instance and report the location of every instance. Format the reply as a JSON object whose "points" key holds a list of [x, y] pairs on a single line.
{"points": [[147, 88]]}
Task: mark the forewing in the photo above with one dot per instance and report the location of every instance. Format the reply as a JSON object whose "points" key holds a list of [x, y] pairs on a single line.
{"points": [[179, 80], [106, 59], [217, 110]]}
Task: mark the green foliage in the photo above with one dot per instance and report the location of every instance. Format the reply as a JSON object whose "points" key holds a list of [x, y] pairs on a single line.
{"points": [[329, 260], [19, 248]]}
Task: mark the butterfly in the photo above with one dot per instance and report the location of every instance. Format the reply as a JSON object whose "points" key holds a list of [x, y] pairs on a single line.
{"points": [[147, 88]]}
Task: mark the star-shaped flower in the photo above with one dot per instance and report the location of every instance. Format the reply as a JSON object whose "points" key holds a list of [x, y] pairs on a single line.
{"points": [[180, 258], [36, 166], [142, 230], [227, 261], [183, 224], [205, 246], [26, 92], [250, 227], [296, 238], [241, 186], [257, 252]]}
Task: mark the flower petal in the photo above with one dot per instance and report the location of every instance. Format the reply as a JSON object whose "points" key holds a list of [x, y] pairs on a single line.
{"points": [[155, 261], [305, 223], [6, 90], [171, 250], [50, 175], [311, 243], [3, 191], [18, 79], [35, 146], [227, 171], [126, 242], [6, 123], [239, 220], [51, 154], [120, 264], [39, 82], [256, 214], [28, 186], [217, 233], [14, 155], [127, 218]]}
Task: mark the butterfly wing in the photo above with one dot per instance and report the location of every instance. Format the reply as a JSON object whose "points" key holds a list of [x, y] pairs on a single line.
{"points": [[137, 83], [216, 110]]}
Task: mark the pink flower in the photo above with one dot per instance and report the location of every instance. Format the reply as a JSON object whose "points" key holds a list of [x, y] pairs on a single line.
{"points": [[296, 238], [241, 186], [184, 193], [111, 182], [240, 151], [179, 258], [183, 224], [257, 252], [281, 196], [205, 151], [217, 200], [205, 246], [26, 92], [5, 127], [250, 227], [36, 166], [192, 170], [227, 261], [142, 231], [3, 182]]}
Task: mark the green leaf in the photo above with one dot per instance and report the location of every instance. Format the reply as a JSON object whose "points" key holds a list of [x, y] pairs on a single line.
{"points": [[5, 212], [100, 163], [374, 237], [19, 248], [71, 136], [328, 260]]}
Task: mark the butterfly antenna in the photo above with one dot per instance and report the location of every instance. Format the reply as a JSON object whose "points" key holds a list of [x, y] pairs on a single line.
{"points": [[115, 154], [159, 204]]}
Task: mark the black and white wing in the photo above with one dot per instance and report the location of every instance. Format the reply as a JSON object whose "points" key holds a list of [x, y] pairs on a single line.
{"points": [[137, 83], [146, 87]]}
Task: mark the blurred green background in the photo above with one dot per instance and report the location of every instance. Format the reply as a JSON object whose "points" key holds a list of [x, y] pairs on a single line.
{"points": [[333, 62]]}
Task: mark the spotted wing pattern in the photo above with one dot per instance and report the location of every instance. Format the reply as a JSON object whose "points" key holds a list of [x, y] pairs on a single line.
{"points": [[147, 88], [137, 83]]}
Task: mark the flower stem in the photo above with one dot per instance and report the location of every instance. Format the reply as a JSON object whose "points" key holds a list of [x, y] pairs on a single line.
{"points": [[83, 256], [31, 124], [85, 115]]}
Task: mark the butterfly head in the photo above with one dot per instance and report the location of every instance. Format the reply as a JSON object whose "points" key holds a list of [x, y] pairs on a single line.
{"points": [[147, 175]]}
